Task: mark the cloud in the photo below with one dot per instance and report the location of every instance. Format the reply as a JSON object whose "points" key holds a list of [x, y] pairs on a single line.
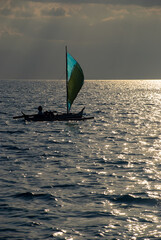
{"points": [[144, 3], [111, 39], [27, 8], [53, 12], [5, 12], [15, 9]]}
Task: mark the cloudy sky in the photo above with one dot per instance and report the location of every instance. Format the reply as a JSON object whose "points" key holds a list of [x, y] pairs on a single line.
{"points": [[111, 39]]}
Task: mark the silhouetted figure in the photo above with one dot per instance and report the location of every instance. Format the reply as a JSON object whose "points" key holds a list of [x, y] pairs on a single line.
{"points": [[39, 110]]}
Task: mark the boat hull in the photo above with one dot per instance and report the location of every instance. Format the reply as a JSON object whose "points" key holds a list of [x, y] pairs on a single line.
{"points": [[51, 116], [57, 118]]}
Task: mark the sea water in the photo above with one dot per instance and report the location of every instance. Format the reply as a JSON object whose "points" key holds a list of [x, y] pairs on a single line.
{"points": [[97, 179]]}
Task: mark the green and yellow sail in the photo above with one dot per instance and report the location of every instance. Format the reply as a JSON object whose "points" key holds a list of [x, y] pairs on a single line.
{"points": [[74, 79]]}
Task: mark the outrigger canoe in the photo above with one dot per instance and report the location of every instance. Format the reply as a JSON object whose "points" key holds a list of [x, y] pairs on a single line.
{"points": [[74, 82], [54, 116]]}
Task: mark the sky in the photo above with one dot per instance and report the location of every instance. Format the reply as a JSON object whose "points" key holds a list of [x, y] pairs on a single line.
{"points": [[111, 39]]}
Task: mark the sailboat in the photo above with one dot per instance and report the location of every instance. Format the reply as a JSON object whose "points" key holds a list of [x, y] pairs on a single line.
{"points": [[74, 82]]}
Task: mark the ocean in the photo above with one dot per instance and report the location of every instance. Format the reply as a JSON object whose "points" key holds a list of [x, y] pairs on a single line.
{"points": [[95, 179]]}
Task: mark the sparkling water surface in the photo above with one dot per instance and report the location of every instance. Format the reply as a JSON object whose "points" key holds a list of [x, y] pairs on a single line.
{"points": [[97, 179]]}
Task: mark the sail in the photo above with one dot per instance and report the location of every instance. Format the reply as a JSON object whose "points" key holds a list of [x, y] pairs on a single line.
{"points": [[75, 80]]}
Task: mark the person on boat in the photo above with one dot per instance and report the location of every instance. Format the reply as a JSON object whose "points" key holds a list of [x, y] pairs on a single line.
{"points": [[40, 110]]}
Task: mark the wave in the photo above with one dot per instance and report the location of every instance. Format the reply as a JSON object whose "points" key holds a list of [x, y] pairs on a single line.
{"points": [[12, 131], [31, 195], [10, 147], [64, 186], [130, 199], [4, 113]]}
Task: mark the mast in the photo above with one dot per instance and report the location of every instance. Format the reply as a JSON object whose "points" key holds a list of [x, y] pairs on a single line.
{"points": [[66, 78]]}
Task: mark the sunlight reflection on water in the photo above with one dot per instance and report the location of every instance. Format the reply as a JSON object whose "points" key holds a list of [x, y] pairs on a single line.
{"points": [[98, 179]]}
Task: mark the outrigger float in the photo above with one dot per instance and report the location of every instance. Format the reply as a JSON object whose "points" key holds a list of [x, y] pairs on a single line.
{"points": [[74, 82]]}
